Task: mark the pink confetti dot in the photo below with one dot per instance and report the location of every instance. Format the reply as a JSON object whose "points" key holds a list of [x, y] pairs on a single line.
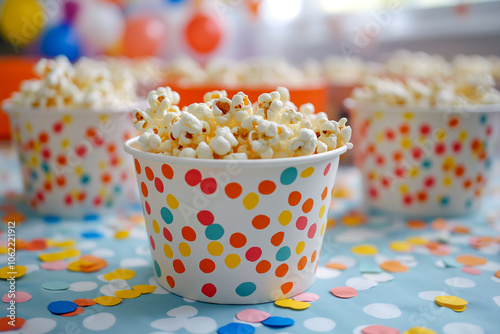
{"points": [[54, 265], [379, 329], [307, 297], [252, 315], [471, 270], [20, 297], [344, 292]]}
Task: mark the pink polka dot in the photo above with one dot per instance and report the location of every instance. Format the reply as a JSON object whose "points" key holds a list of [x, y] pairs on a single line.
{"points": [[153, 246], [159, 185], [209, 290], [167, 234], [301, 223], [147, 207], [208, 185], [471, 270], [193, 177], [344, 292], [253, 254], [327, 169], [312, 231], [205, 217]]}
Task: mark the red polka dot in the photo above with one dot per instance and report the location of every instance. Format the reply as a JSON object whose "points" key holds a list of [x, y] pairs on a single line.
{"points": [[440, 148], [253, 254], [159, 185], [171, 281], [386, 181], [286, 287], [489, 130], [301, 223], [456, 147], [407, 199], [425, 129], [57, 127], [188, 233], [81, 151], [144, 189], [308, 205], [429, 181], [302, 263], [294, 198], [149, 173], [167, 234], [68, 200], [324, 193], [97, 201], [260, 222], [277, 239], [207, 266], [312, 231], [267, 187], [263, 267], [373, 192], [389, 134], [209, 290], [43, 137], [137, 167], [282, 270], [193, 177], [46, 153], [152, 242], [205, 217], [147, 207], [238, 240], [327, 169], [208, 185], [417, 153], [167, 171], [233, 190], [178, 266], [401, 171]]}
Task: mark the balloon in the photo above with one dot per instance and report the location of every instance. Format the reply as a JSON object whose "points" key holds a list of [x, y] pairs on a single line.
{"points": [[100, 24], [21, 21], [203, 33], [144, 36], [61, 40]]}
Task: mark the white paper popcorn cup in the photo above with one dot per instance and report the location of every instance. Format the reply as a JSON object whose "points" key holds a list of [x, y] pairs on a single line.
{"points": [[235, 232], [73, 162], [424, 161]]}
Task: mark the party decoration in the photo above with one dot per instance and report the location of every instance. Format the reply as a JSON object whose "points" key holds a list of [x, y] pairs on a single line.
{"points": [[144, 36], [21, 21], [203, 33], [61, 39]]}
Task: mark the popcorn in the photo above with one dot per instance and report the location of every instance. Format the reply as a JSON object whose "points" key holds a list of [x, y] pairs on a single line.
{"points": [[223, 128]]}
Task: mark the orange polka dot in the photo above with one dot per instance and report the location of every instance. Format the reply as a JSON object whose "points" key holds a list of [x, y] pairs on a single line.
{"points": [[167, 171], [336, 265], [471, 260], [393, 266], [285, 288], [416, 224], [460, 229], [137, 167], [178, 266], [170, 281], [302, 263], [188, 233], [281, 270], [308, 205], [106, 178], [467, 184], [277, 239], [260, 222], [294, 198], [325, 192], [207, 266], [459, 170], [422, 196], [497, 274], [313, 256], [267, 187], [149, 173], [439, 224], [238, 240], [263, 267], [144, 189], [111, 148], [233, 190]]}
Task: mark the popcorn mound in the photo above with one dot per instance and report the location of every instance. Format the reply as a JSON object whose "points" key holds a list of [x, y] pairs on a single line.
{"points": [[223, 128]]}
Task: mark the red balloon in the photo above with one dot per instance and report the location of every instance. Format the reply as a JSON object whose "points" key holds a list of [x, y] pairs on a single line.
{"points": [[144, 36], [203, 33]]}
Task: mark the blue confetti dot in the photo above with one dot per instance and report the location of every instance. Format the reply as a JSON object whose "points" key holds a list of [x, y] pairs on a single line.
{"points": [[92, 235], [62, 306], [283, 253], [236, 328], [52, 219], [157, 269], [487, 164], [483, 119], [278, 322], [445, 200], [246, 289], [167, 215], [214, 232], [45, 167], [90, 217], [427, 163], [288, 176], [85, 179]]}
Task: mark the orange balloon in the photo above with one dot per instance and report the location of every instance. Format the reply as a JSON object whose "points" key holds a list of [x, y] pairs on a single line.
{"points": [[203, 33], [143, 37]]}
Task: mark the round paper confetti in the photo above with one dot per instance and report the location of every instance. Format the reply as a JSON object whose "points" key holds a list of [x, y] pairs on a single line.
{"points": [[471, 260], [16, 271], [419, 330], [56, 286], [462, 328], [83, 286], [144, 288], [393, 266], [460, 282], [344, 292], [360, 283], [307, 297], [278, 322], [107, 300], [127, 294], [54, 265], [78, 310], [452, 302], [5, 324], [19, 297], [252, 315], [382, 310], [379, 329], [84, 302], [236, 328], [293, 304], [364, 249], [319, 324], [62, 306], [99, 322], [471, 270]]}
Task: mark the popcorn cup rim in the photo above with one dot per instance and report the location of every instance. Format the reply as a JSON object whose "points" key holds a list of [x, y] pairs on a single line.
{"points": [[10, 108], [250, 163]]}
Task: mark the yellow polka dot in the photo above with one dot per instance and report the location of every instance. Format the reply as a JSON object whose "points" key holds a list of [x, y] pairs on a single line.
{"points": [[172, 202], [168, 251], [400, 246], [405, 143], [65, 143], [447, 181], [300, 247], [108, 300], [307, 172], [452, 302], [404, 188], [37, 146], [184, 249], [7, 272], [250, 201], [462, 136], [364, 249], [378, 114], [285, 218], [66, 119], [28, 126], [379, 137], [440, 135], [352, 219], [102, 164], [448, 163], [417, 240], [79, 170], [121, 234], [232, 261], [109, 276], [408, 115], [70, 253], [322, 211], [103, 192], [419, 330], [144, 288], [293, 304], [104, 119], [120, 161], [414, 171], [124, 274], [215, 248], [34, 161], [322, 229], [156, 227], [127, 294]]}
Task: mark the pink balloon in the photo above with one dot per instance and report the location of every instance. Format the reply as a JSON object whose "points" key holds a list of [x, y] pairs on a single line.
{"points": [[144, 36]]}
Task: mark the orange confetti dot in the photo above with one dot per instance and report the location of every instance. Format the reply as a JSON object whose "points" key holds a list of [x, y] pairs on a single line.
{"points": [[84, 302], [36, 245], [233, 190], [13, 216], [416, 224], [393, 266], [497, 274], [267, 187], [471, 260], [480, 242], [460, 229], [5, 326], [439, 224], [336, 265], [75, 312]]}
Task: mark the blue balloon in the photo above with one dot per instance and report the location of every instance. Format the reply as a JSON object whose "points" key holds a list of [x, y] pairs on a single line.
{"points": [[61, 40]]}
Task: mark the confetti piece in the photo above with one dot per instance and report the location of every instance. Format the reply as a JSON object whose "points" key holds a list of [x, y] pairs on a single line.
{"points": [[457, 304], [88, 264], [480, 242], [438, 249], [56, 286], [252, 315], [121, 234], [65, 243], [13, 216], [107, 300], [393, 266], [439, 224], [92, 235], [62, 306], [127, 294], [278, 322], [145, 288], [17, 271], [416, 224], [401, 246], [3, 250], [471, 270], [420, 241], [54, 265], [353, 219], [451, 263], [109, 276], [460, 229], [379, 329], [236, 328], [84, 302], [336, 265], [19, 297], [57, 256], [381, 277], [364, 249], [5, 326], [471, 260], [293, 304], [124, 274], [36, 245], [419, 330], [497, 274], [369, 268], [344, 292], [307, 297], [78, 310]]}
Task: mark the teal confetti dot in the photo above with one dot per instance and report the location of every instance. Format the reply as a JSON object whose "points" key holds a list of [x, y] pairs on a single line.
{"points": [[483, 119], [427, 163], [34, 175], [45, 167], [118, 189], [214, 232], [283, 253], [55, 286], [85, 179], [157, 269], [167, 215], [246, 289], [445, 200], [468, 203], [288, 176]]}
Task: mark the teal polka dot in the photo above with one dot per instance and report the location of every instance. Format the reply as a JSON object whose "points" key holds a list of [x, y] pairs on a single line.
{"points": [[34, 174], [157, 269], [487, 164], [214, 232], [246, 289], [85, 179], [118, 189], [283, 253], [483, 119], [45, 167], [427, 163], [167, 215], [445, 200], [288, 176], [468, 203]]}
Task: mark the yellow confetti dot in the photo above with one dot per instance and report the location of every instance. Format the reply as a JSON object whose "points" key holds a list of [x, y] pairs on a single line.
{"points": [[168, 251], [408, 115], [124, 274], [28, 126], [307, 172], [322, 211], [293, 304], [378, 114], [364, 249], [455, 303], [401, 246], [64, 244], [419, 330], [108, 300], [8, 272], [104, 119], [250, 201], [380, 137], [417, 240], [172, 202], [121, 234], [79, 170], [127, 294], [184, 249], [37, 146], [300, 247], [463, 135], [322, 229], [70, 253], [3, 250], [109, 276], [215, 248], [49, 257], [447, 181], [414, 172], [74, 266], [440, 135], [353, 220], [65, 143], [448, 163], [102, 164], [232, 261], [156, 227], [285, 218], [405, 143], [404, 188], [66, 119], [144, 288]]}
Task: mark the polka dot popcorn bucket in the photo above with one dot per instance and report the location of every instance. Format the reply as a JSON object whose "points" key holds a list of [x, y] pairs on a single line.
{"points": [[235, 232], [424, 161], [73, 163]]}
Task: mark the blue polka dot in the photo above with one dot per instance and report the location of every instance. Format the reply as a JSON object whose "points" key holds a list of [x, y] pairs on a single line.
{"points": [[157, 269], [278, 322], [45, 167], [92, 235], [445, 200], [427, 163], [62, 306], [52, 219], [90, 217], [487, 163], [214, 232], [236, 328], [288, 176], [167, 215], [483, 119], [246, 289], [85, 179], [283, 253]]}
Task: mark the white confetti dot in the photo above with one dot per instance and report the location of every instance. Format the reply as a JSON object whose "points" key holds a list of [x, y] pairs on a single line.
{"points": [[31, 268], [104, 252], [460, 282], [431, 295], [360, 283], [200, 325], [348, 261], [116, 284], [382, 311], [187, 300], [86, 245], [381, 277], [142, 250], [496, 299], [319, 324], [254, 324], [134, 262], [183, 312], [83, 286], [169, 324], [358, 329], [359, 235], [99, 322], [489, 266], [326, 273], [492, 249], [159, 289], [421, 250], [495, 279], [38, 326], [407, 260], [462, 328], [440, 264]]}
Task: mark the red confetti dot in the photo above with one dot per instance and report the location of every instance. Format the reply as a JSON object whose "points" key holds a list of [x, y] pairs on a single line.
{"points": [[193, 177], [440, 148], [46, 153], [159, 185], [97, 201], [188, 233], [208, 186], [43, 137], [6, 326], [147, 207], [404, 129], [81, 150], [178, 266], [209, 290], [456, 147], [407, 199], [312, 231], [425, 129], [417, 153], [327, 169], [205, 217], [137, 167], [149, 173], [152, 242], [373, 192], [253, 254], [167, 171], [167, 234], [429, 181], [207, 266], [57, 127], [68, 200], [380, 160], [389, 134], [301, 223], [171, 281]]}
